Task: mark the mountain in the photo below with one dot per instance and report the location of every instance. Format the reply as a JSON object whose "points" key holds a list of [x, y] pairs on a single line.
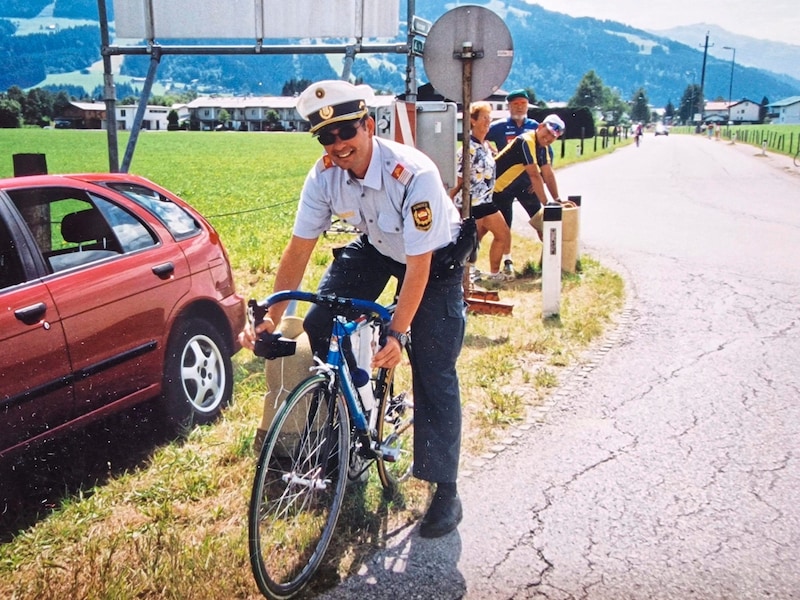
{"points": [[763, 54], [552, 54]]}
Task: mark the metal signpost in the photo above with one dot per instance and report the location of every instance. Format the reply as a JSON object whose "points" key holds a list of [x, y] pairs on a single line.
{"points": [[468, 55]]}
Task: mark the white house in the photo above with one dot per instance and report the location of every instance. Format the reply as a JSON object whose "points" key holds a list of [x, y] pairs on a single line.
{"points": [[745, 111], [155, 117], [786, 111], [738, 112]]}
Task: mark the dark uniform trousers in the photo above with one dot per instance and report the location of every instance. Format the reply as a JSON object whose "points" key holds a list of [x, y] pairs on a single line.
{"points": [[437, 333], [517, 189]]}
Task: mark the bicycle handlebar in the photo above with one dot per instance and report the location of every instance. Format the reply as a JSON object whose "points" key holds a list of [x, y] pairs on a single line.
{"points": [[332, 302]]}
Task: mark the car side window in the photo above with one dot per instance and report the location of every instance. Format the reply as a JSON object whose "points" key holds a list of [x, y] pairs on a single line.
{"points": [[11, 272], [129, 230], [179, 222], [72, 228]]}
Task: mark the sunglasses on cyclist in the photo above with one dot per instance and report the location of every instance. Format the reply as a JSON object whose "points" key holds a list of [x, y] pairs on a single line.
{"points": [[346, 132], [555, 128]]}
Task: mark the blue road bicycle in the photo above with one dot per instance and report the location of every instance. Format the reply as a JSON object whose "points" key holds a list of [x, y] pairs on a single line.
{"points": [[330, 429]]}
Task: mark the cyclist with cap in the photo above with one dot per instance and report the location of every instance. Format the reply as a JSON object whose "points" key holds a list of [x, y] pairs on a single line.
{"points": [[503, 132], [525, 168]]}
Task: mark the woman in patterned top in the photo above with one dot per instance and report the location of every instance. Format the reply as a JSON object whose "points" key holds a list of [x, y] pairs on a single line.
{"points": [[482, 177]]}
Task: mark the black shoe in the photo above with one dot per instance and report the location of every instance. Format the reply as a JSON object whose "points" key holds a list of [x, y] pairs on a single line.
{"points": [[443, 516]]}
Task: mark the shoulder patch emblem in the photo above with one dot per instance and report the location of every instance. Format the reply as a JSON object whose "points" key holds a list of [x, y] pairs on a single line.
{"points": [[402, 174], [423, 217], [327, 162]]}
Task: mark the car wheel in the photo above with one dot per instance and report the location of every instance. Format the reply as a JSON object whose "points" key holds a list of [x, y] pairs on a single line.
{"points": [[198, 376]]}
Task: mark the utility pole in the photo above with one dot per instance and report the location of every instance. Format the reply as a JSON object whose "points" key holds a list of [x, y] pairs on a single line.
{"points": [[702, 84], [730, 86]]}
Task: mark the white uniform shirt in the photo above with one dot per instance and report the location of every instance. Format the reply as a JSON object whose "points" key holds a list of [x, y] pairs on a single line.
{"points": [[401, 203]]}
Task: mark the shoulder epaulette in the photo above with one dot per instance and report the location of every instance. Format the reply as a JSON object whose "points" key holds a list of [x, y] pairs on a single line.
{"points": [[402, 174]]}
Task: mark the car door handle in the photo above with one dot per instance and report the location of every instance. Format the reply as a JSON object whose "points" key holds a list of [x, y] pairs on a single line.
{"points": [[164, 270], [30, 315]]}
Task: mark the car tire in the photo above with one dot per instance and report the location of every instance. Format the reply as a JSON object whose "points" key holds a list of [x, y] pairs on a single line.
{"points": [[198, 375]]}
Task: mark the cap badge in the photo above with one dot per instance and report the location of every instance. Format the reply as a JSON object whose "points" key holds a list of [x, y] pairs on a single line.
{"points": [[319, 92], [326, 112]]}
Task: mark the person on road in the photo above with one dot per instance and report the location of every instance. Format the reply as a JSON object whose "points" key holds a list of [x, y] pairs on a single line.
{"points": [[393, 194], [638, 132], [482, 175], [524, 168]]}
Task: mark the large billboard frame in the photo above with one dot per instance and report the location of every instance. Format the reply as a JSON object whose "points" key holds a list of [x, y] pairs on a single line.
{"points": [[155, 49]]}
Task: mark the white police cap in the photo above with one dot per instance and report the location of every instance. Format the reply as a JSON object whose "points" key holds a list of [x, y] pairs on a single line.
{"points": [[333, 101]]}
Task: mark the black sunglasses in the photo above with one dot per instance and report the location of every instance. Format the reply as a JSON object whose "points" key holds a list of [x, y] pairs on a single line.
{"points": [[346, 132]]}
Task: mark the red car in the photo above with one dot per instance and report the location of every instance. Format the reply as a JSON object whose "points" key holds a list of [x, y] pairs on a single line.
{"points": [[113, 291]]}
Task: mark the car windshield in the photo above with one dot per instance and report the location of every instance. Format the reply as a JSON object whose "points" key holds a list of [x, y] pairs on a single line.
{"points": [[180, 223]]}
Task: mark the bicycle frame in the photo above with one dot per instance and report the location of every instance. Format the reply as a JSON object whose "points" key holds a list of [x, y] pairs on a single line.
{"points": [[336, 361]]}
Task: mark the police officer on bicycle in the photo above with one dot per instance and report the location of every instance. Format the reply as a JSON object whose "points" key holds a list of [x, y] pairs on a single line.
{"points": [[394, 196]]}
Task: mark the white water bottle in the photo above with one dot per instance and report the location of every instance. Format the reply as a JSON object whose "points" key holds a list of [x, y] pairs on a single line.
{"points": [[363, 384]]}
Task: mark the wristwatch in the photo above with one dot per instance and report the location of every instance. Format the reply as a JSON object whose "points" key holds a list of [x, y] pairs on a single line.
{"points": [[400, 337]]}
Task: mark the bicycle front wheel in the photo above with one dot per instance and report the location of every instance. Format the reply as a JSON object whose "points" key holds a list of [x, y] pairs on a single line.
{"points": [[797, 160], [298, 489], [395, 425]]}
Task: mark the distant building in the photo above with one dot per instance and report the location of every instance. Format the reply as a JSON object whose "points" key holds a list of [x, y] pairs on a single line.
{"points": [[786, 111], [246, 113], [738, 111], [745, 111], [92, 115], [84, 115], [155, 117]]}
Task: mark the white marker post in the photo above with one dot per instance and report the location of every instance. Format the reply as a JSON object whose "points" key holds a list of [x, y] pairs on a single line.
{"points": [[551, 260]]}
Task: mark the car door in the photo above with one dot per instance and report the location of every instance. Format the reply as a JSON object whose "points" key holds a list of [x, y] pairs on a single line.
{"points": [[36, 391], [115, 307]]}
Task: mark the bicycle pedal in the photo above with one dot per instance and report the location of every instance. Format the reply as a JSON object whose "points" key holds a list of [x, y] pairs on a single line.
{"points": [[390, 455]]}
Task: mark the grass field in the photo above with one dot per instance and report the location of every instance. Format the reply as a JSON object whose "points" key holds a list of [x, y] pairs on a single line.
{"points": [[784, 139], [172, 522]]}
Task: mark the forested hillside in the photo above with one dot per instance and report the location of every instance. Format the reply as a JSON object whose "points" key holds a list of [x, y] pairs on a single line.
{"points": [[552, 54]]}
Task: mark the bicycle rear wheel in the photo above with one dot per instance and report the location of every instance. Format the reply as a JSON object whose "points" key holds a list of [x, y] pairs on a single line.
{"points": [[797, 159], [395, 426], [298, 489]]}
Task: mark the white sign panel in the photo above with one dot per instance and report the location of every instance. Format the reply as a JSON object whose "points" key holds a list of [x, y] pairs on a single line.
{"points": [[256, 19]]}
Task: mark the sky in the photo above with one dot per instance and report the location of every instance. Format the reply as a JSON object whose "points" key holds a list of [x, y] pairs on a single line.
{"points": [[778, 20]]}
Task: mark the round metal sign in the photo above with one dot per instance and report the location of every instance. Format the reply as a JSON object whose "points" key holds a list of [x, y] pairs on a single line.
{"points": [[492, 51]]}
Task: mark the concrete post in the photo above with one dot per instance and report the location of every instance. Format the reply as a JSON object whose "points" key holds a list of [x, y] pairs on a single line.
{"points": [[551, 260]]}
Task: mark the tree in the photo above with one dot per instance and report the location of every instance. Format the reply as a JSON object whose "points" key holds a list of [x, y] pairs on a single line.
{"points": [[690, 103], [224, 117], [61, 103], [762, 111], [172, 120], [294, 87], [590, 91], [10, 113], [639, 106], [669, 111], [614, 107], [38, 107], [273, 119]]}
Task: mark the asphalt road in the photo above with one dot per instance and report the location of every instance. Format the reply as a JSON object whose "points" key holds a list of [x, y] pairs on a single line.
{"points": [[667, 465]]}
